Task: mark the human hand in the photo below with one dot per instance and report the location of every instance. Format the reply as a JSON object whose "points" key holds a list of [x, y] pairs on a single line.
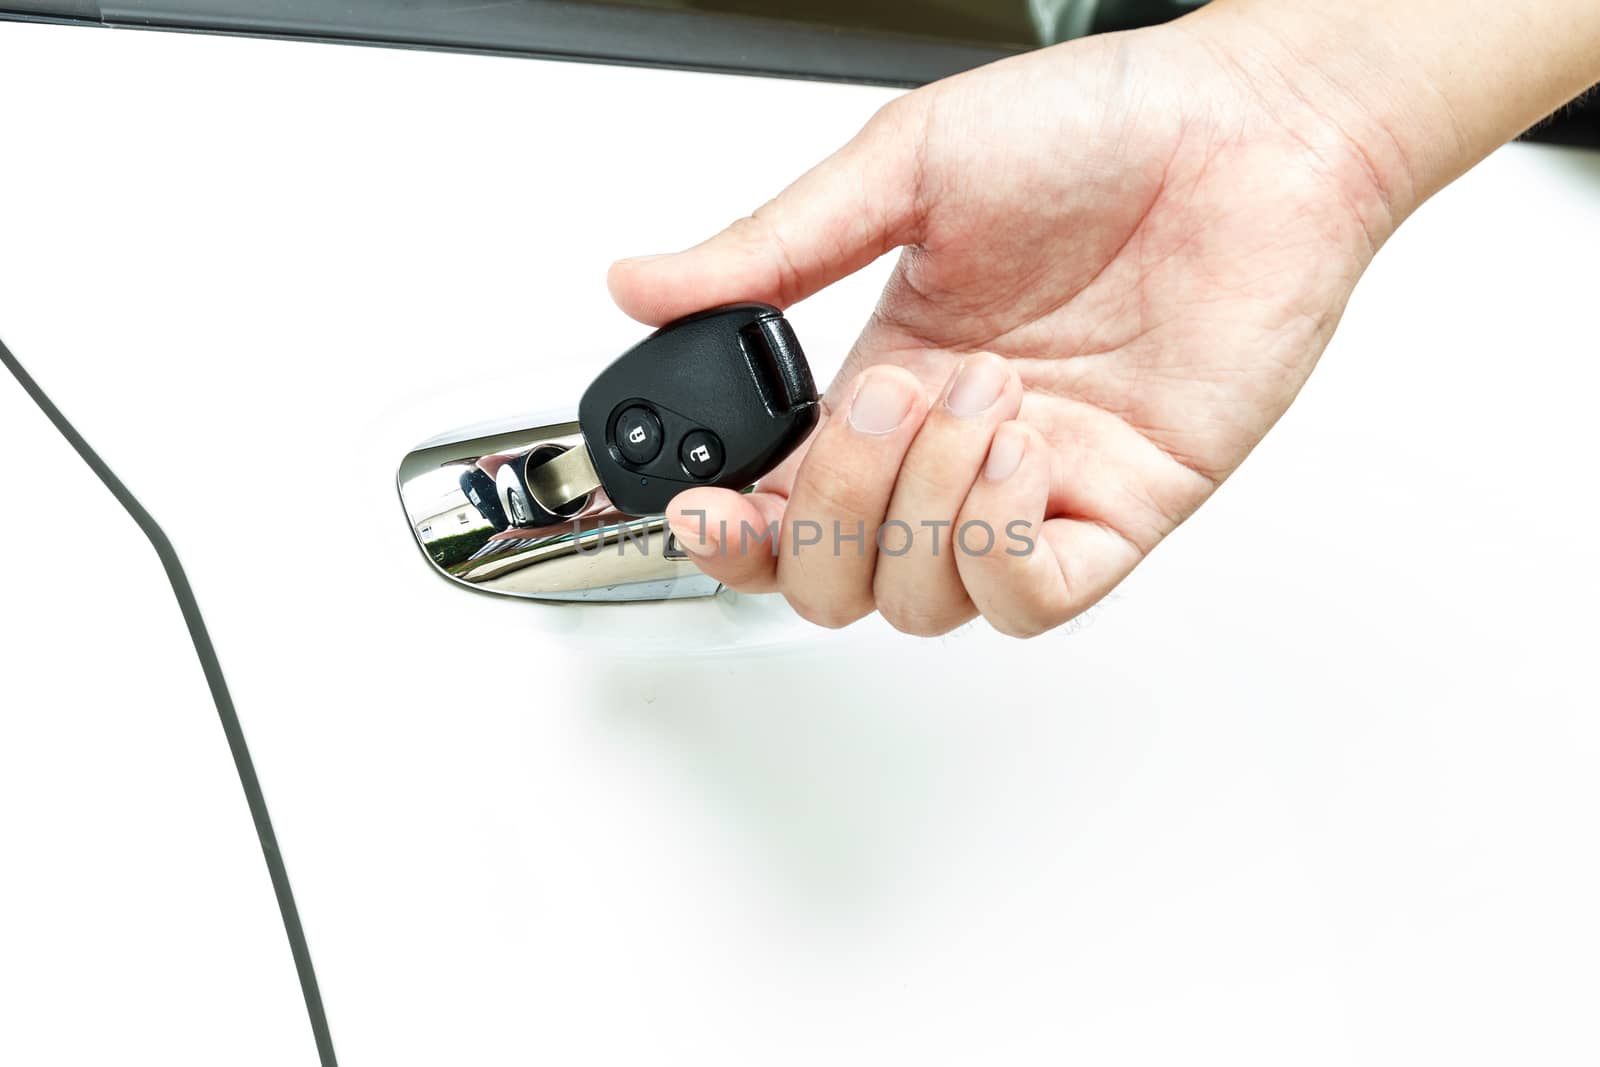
{"points": [[1122, 258]]}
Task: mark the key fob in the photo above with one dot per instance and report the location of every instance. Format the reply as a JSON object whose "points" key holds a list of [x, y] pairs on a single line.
{"points": [[718, 398]]}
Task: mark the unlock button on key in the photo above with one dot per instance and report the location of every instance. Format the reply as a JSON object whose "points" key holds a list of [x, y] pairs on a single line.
{"points": [[701, 454]]}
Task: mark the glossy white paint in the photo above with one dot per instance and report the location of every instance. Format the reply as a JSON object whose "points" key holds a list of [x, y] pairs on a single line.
{"points": [[1315, 787]]}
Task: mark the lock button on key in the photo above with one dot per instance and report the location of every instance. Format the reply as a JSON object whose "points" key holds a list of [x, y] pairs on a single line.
{"points": [[639, 435]]}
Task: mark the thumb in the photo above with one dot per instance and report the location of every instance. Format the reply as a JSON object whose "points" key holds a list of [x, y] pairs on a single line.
{"points": [[839, 216]]}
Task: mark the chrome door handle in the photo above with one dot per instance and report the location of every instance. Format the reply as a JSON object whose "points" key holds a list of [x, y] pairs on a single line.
{"points": [[466, 498]]}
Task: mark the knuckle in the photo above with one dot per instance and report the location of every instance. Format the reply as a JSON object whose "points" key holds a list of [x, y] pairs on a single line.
{"points": [[915, 622], [828, 613], [752, 231], [1016, 629], [920, 614], [1030, 612], [1071, 595], [901, 117], [905, 617], [841, 488], [748, 580], [767, 229], [1016, 602]]}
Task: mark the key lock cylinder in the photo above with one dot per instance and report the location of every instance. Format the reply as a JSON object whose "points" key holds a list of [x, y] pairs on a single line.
{"points": [[572, 509]]}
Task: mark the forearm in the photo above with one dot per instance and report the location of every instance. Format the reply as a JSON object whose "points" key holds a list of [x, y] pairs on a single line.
{"points": [[1424, 88]]}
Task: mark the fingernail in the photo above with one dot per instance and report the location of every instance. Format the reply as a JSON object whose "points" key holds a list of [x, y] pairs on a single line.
{"points": [[692, 534], [881, 403], [1005, 454], [644, 259], [977, 386]]}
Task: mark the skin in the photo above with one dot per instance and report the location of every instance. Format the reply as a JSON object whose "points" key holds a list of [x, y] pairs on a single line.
{"points": [[1097, 316]]}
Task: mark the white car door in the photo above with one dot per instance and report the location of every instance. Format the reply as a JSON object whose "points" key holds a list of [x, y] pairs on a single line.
{"points": [[1310, 788]]}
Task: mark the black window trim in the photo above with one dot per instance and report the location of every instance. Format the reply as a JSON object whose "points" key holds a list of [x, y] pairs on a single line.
{"points": [[552, 29]]}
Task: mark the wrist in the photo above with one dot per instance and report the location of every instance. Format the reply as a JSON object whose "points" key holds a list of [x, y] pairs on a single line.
{"points": [[1340, 91], [1421, 90]]}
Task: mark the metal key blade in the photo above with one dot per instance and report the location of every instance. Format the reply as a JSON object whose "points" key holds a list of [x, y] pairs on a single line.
{"points": [[560, 481]]}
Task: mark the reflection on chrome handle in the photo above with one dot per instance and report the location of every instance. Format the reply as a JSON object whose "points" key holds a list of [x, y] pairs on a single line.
{"points": [[467, 500]]}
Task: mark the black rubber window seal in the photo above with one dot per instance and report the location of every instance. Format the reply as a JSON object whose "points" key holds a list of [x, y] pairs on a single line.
{"points": [[552, 29]]}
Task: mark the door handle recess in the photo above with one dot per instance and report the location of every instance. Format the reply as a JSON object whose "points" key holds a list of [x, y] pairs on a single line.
{"points": [[470, 511]]}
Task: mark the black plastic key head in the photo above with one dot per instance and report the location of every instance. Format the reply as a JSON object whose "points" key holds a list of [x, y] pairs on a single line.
{"points": [[718, 398]]}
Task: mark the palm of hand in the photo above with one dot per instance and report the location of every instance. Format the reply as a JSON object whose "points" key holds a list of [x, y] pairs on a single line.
{"points": [[1156, 250], [1164, 295]]}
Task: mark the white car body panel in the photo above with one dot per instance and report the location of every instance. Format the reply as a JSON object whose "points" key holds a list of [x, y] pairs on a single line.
{"points": [[1316, 786], [137, 922]]}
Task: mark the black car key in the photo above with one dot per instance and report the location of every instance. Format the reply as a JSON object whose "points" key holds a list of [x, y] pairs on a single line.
{"points": [[718, 398]]}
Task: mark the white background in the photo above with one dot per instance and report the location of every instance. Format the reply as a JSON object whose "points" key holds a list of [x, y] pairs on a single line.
{"points": [[1317, 786]]}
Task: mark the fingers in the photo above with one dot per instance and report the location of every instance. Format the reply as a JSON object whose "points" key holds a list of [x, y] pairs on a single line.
{"points": [[916, 585], [852, 526], [1039, 572], [837, 218], [841, 495], [732, 536]]}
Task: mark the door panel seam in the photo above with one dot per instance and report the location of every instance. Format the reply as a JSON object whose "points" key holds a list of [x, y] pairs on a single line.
{"points": [[205, 651]]}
